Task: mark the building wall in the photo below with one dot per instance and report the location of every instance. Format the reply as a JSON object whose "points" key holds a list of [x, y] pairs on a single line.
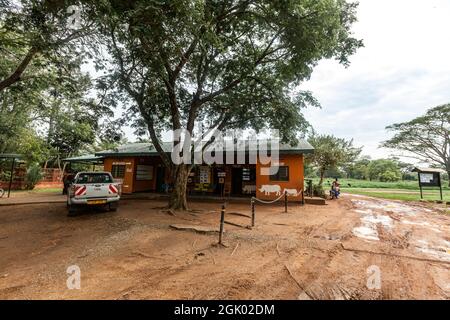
{"points": [[147, 184], [263, 183], [128, 180], [296, 179]]}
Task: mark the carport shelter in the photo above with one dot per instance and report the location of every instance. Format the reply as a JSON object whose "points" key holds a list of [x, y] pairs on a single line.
{"points": [[12, 157], [89, 159]]}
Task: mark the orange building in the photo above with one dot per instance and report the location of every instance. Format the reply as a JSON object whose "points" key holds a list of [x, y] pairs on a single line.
{"points": [[140, 169]]}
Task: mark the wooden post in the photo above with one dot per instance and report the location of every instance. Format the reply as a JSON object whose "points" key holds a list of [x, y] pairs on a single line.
{"points": [[440, 186], [253, 212], [11, 177], [420, 187], [222, 221], [285, 201]]}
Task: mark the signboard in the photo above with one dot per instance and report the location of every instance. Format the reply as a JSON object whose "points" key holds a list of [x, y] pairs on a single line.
{"points": [[144, 172], [429, 179], [245, 174], [204, 174]]}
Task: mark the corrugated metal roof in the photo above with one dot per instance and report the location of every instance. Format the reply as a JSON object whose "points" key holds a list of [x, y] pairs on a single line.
{"points": [[147, 149], [422, 169], [84, 158], [10, 155]]}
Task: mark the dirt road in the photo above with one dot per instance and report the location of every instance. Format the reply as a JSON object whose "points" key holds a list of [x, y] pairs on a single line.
{"points": [[313, 252]]}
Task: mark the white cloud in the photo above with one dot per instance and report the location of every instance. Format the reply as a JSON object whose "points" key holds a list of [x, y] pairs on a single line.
{"points": [[403, 70]]}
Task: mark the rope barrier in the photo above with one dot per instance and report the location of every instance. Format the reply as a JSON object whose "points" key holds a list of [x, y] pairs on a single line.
{"points": [[268, 202], [253, 199]]}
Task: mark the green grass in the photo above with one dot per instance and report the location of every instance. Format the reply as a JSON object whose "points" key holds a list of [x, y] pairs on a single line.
{"points": [[398, 194], [401, 190], [407, 185]]}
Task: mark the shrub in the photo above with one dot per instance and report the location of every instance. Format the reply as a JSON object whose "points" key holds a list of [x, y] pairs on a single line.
{"points": [[390, 176], [34, 175], [318, 191]]}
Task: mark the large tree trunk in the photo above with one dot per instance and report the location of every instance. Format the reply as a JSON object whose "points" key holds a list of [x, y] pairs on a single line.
{"points": [[322, 174], [448, 173], [179, 175]]}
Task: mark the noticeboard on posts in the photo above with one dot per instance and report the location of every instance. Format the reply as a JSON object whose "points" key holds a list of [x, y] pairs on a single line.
{"points": [[429, 179]]}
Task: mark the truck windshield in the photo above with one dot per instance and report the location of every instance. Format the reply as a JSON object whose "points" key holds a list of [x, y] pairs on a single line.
{"points": [[86, 178]]}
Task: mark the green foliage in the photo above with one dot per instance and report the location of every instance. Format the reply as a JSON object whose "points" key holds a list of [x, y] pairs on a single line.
{"points": [[34, 35], [390, 176], [318, 191], [34, 175], [33, 148], [348, 184], [309, 171], [384, 170], [399, 194], [358, 169], [44, 110], [331, 152], [226, 64]]}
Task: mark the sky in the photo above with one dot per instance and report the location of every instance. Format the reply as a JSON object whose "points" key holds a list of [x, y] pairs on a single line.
{"points": [[403, 70]]}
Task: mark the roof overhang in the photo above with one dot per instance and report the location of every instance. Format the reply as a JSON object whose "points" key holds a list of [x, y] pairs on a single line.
{"points": [[428, 170], [89, 158], [10, 156]]}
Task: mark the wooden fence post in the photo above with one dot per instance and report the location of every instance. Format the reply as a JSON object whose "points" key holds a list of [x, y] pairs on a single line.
{"points": [[285, 201], [222, 221], [253, 212]]}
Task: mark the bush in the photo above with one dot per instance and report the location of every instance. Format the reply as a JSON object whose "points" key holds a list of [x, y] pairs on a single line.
{"points": [[390, 176], [34, 175], [318, 191]]}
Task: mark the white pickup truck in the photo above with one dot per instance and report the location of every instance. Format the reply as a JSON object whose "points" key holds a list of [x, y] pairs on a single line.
{"points": [[93, 189]]}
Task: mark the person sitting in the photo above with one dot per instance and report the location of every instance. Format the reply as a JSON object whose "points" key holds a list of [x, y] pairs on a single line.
{"points": [[335, 189]]}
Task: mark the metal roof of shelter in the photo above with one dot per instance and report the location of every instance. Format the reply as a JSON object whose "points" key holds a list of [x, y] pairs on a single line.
{"points": [[428, 170], [85, 158], [10, 155]]}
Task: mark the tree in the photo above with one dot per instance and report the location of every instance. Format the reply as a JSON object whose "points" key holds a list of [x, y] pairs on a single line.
{"points": [[358, 169], [426, 138], [384, 170], [30, 29], [331, 152], [45, 109], [226, 64]]}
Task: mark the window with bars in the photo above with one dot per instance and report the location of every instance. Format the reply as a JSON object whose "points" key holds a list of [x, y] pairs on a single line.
{"points": [[281, 175], [118, 171]]}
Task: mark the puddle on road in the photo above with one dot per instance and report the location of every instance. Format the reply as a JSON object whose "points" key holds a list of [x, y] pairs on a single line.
{"points": [[367, 232], [374, 212], [424, 224], [440, 251], [369, 220]]}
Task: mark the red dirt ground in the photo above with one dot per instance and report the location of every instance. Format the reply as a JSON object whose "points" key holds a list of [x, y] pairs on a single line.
{"points": [[312, 252]]}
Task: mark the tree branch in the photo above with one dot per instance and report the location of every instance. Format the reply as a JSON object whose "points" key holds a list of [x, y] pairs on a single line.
{"points": [[16, 75]]}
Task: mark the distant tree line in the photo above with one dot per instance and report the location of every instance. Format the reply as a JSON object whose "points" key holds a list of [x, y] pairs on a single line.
{"points": [[364, 168]]}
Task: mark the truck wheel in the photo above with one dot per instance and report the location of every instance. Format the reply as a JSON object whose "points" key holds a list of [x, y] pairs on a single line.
{"points": [[113, 207], [72, 210]]}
